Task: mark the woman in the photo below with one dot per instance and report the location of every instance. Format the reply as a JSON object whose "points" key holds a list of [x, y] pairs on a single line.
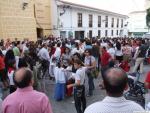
{"points": [[2, 70], [66, 56], [90, 62], [79, 88], [118, 52], [9, 57]]}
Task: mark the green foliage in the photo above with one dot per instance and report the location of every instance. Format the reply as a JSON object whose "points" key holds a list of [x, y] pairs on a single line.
{"points": [[148, 18]]}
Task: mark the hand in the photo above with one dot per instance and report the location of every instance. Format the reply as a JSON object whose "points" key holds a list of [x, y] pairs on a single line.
{"points": [[69, 86]]}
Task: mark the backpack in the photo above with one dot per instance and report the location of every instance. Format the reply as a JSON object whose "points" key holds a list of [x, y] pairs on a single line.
{"points": [[148, 53]]}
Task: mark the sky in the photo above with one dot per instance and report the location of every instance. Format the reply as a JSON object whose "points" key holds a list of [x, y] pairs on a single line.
{"points": [[118, 6]]}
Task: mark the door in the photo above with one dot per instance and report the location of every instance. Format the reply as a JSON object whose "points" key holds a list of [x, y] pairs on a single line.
{"points": [[79, 34]]}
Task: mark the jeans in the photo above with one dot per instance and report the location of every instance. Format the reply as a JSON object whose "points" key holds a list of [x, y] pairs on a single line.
{"points": [[91, 83], [80, 102], [138, 62], [103, 70]]}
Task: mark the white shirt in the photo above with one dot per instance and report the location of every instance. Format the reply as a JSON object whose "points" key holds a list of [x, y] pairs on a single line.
{"points": [[43, 54], [75, 50], [114, 105], [111, 51], [10, 76], [59, 75], [24, 48], [57, 52], [80, 75], [118, 52]]}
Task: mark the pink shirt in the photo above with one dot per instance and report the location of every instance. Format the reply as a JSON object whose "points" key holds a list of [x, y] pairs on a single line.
{"points": [[26, 100]]}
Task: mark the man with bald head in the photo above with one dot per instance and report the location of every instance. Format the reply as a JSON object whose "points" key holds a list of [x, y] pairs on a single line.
{"points": [[115, 81], [25, 99]]}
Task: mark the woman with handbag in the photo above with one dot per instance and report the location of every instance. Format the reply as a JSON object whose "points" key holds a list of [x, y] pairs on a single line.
{"points": [[79, 88], [90, 62]]}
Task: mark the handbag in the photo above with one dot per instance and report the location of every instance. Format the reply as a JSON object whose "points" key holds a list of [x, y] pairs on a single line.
{"points": [[79, 91], [93, 72]]}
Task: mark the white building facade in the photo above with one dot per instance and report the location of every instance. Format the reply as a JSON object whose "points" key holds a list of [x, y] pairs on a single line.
{"points": [[137, 24], [77, 21]]}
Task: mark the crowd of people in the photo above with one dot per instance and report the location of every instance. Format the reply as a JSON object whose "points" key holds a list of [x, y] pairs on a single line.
{"points": [[68, 62]]}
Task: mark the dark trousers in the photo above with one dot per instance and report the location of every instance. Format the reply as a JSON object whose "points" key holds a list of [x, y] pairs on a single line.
{"points": [[45, 67], [91, 83], [80, 102], [103, 70]]}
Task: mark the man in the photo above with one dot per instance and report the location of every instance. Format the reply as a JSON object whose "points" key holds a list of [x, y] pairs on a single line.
{"points": [[17, 53], [105, 59], [57, 53], [25, 99], [140, 54], [45, 58], [115, 82]]}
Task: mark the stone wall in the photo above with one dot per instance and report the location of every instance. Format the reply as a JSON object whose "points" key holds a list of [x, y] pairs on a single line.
{"points": [[16, 22]]}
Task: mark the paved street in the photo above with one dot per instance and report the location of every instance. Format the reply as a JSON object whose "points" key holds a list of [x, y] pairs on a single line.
{"points": [[66, 106]]}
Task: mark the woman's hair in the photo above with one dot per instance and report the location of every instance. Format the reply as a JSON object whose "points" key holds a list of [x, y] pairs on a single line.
{"points": [[89, 51], [9, 55], [79, 62], [77, 45], [118, 46], [11, 63], [78, 55], [68, 49], [22, 63], [1, 54]]}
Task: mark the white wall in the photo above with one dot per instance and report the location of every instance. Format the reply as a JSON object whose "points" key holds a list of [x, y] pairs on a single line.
{"points": [[137, 22], [69, 20]]}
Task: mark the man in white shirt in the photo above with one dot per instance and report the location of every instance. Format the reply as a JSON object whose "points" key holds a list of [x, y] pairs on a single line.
{"points": [[45, 58], [57, 53], [43, 53], [115, 82]]}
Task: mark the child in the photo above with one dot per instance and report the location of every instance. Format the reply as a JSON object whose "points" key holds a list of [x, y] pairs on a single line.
{"points": [[60, 83], [11, 70]]}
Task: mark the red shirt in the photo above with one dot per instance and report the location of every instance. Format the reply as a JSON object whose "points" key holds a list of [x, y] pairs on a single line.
{"points": [[2, 64], [105, 59], [125, 66], [148, 79]]}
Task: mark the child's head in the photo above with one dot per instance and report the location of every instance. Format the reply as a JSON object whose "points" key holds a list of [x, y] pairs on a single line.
{"points": [[78, 63]]}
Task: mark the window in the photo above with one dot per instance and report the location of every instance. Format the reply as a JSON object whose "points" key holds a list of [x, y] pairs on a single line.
{"points": [[117, 23], [79, 19], [90, 34], [99, 21], [106, 33], [99, 33], [112, 32], [121, 23], [106, 21], [90, 20], [112, 22], [117, 33]]}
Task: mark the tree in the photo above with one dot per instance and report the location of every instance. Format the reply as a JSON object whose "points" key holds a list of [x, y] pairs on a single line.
{"points": [[148, 19]]}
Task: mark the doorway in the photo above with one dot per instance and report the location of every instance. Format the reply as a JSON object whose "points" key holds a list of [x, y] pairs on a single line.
{"points": [[39, 33], [79, 34]]}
